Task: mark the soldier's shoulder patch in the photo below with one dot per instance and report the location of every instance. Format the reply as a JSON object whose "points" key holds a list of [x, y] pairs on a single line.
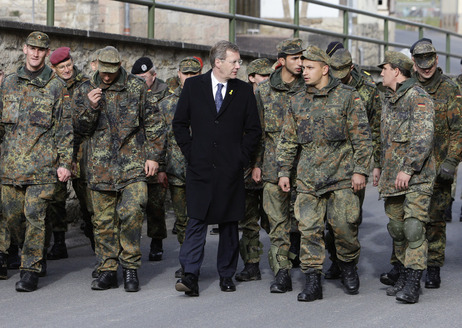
{"points": [[458, 96], [421, 105]]}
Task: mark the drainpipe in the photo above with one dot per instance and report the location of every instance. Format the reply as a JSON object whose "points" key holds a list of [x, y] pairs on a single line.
{"points": [[127, 19]]}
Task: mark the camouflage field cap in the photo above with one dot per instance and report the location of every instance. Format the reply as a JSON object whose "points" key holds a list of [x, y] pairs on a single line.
{"points": [[397, 58], [38, 39], [424, 53], [108, 60], [190, 65], [315, 54], [260, 66], [290, 47], [341, 62]]}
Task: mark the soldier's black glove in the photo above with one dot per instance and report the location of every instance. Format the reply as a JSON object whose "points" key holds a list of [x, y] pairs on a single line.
{"points": [[448, 169]]}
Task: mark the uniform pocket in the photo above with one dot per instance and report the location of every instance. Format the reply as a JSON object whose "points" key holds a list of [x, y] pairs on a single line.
{"points": [[334, 123], [10, 112], [41, 112]]}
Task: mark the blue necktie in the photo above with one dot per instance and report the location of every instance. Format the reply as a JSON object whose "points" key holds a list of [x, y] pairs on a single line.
{"points": [[218, 97]]}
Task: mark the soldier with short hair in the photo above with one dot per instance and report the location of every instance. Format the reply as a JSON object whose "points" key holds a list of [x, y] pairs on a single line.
{"points": [[124, 146], [175, 163], [272, 101], [407, 171], [157, 185], [326, 127], [37, 135]]}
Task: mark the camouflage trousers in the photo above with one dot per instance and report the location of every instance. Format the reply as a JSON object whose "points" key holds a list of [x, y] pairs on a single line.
{"points": [[276, 204], [83, 194], [24, 210], [117, 226], [249, 244], [329, 236], [341, 210], [436, 227], [155, 211], [412, 205], [178, 195]]}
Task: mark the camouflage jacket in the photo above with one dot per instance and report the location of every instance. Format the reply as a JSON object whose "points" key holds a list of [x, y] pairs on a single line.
{"points": [[122, 130], [407, 139], [371, 99], [328, 129], [36, 128], [272, 102], [175, 163], [447, 102]]}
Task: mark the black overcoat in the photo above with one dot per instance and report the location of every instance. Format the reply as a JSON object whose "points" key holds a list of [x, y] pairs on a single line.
{"points": [[217, 147]]}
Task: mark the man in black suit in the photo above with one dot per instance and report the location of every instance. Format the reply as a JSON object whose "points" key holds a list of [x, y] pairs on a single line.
{"points": [[217, 127]]}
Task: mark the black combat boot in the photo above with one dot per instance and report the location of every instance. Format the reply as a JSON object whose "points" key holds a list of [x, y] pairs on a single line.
{"points": [[106, 280], [401, 280], [28, 282], [389, 278], [250, 272], [59, 249], [3, 266], [333, 272], [43, 270], [131, 282], [156, 252], [410, 292], [313, 288], [282, 283], [179, 273], [295, 248], [14, 260], [432, 279], [350, 278]]}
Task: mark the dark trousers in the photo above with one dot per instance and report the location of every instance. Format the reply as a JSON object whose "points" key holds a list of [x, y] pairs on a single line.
{"points": [[192, 250]]}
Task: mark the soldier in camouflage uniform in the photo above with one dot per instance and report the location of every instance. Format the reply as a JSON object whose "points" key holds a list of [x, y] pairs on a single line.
{"points": [[327, 128], [272, 102], [157, 185], [407, 171], [447, 149], [63, 65], [250, 246], [342, 68], [124, 146], [175, 163], [37, 135]]}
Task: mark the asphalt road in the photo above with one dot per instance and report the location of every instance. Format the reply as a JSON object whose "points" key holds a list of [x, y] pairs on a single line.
{"points": [[64, 297]]}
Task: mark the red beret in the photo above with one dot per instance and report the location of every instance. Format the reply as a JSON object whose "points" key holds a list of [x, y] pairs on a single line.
{"points": [[60, 55]]}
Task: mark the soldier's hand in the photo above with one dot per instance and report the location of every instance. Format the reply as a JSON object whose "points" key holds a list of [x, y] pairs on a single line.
{"points": [[358, 182], [376, 176], [150, 168], [63, 174], [284, 184], [95, 96], [402, 181], [162, 179], [256, 174], [448, 169]]}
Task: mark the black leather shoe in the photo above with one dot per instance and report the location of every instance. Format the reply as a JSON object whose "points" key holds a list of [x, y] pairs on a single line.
{"points": [[131, 282], [214, 231], [58, 250], [389, 278], [282, 283], [433, 279], [227, 284], [156, 252], [179, 273], [188, 284], [14, 260], [3, 266], [28, 282], [106, 280], [333, 272], [250, 272]]}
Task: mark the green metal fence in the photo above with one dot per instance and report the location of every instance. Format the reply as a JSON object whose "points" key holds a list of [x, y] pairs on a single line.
{"points": [[296, 27]]}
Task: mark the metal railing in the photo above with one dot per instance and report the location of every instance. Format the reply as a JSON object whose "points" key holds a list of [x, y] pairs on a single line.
{"points": [[296, 27]]}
